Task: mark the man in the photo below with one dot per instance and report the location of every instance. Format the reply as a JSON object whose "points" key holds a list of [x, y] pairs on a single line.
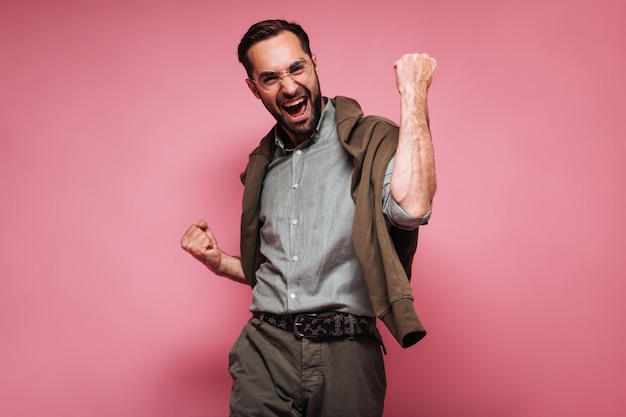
{"points": [[331, 209]]}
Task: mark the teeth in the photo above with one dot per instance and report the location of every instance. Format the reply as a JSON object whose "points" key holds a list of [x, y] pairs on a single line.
{"points": [[295, 102]]}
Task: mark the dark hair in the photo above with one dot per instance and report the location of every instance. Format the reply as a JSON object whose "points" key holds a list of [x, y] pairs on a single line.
{"points": [[266, 29]]}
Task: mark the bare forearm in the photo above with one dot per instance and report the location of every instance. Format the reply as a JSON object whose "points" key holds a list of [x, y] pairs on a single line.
{"points": [[413, 182], [230, 267]]}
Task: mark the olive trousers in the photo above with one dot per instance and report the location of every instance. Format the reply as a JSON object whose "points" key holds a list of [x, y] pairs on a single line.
{"points": [[277, 374]]}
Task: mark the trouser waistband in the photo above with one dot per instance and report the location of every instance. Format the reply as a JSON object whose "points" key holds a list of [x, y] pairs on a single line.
{"points": [[323, 326]]}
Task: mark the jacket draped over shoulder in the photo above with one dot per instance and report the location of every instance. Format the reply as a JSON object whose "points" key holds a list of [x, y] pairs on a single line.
{"points": [[385, 255]]}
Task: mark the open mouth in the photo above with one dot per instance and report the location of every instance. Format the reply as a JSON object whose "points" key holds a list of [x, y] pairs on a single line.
{"points": [[296, 108]]}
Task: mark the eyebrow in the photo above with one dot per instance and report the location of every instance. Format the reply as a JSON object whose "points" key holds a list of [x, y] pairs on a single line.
{"points": [[294, 63]]}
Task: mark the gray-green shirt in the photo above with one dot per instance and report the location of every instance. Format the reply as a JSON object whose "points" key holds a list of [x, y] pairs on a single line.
{"points": [[307, 213]]}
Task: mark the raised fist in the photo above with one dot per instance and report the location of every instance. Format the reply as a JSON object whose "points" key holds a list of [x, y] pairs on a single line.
{"points": [[414, 71]]}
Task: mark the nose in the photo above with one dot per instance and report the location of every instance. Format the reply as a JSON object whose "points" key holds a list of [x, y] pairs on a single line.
{"points": [[287, 82]]}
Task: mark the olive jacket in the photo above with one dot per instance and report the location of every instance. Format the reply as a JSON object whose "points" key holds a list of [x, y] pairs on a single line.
{"points": [[385, 254]]}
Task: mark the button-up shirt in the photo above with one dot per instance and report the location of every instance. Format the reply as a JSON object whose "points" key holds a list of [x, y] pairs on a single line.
{"points": [[307, 213]]}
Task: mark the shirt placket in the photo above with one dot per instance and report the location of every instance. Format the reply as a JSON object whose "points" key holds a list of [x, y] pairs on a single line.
{"points": [[295, 255]]}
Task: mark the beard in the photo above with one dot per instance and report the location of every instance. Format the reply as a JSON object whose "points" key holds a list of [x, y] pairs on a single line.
{"points": [[303, 130]]}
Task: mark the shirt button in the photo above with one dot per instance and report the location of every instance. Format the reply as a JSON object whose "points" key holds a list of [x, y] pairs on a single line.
{"points": [[299, 152], [294, 258], [294, 221], [292, 296], [295, 186]]}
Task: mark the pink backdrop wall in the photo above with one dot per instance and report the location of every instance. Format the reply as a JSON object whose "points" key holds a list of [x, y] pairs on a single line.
{"points": [[123, 122]]}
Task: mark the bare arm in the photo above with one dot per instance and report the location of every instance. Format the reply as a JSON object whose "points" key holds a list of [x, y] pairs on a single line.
{"points": [[200, 242], [413, 182]]}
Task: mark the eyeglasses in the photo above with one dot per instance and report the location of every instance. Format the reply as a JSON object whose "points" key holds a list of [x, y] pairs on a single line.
{"points": [[269, 81]]}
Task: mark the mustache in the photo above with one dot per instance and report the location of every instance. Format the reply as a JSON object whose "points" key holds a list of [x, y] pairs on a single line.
{"points": [[298, 93]]}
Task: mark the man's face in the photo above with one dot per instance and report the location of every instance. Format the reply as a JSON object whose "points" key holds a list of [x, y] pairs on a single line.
{"points": [[296, 105]]}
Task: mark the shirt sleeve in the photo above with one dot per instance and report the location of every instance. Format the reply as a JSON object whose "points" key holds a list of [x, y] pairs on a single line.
{"points": [[394, 212]]}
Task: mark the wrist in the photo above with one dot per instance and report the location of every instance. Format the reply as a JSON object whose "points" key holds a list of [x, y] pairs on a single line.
{"points": [[215, 264], [413, 87]]}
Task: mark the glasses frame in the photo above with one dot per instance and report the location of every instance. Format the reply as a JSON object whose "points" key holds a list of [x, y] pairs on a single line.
{"points": [[308, 66]]}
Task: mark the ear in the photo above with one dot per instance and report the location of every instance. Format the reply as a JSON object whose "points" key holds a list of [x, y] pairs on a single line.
{"points": [[253, 89], [314, 60]]}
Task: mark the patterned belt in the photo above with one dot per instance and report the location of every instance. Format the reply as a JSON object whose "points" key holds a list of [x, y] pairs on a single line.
{"points": [[323, 326]]}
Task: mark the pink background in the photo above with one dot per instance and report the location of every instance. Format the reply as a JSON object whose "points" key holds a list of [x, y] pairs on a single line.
{"points": [[123, 122]]}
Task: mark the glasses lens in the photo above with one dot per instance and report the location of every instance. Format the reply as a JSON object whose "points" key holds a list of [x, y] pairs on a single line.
{"points": [[268, 81], [298, 69]]}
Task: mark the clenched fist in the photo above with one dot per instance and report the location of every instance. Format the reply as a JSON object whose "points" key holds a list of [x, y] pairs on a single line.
{"points": [[200, 242], [414, 71]]}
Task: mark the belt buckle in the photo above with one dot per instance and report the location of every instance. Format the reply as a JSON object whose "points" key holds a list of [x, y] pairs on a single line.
{"points": [[297, 323]]}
